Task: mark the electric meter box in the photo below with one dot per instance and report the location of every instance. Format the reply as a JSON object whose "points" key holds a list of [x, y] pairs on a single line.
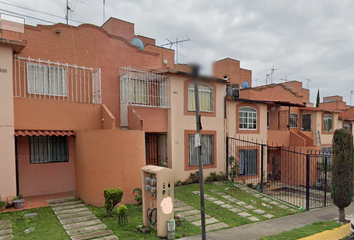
{"points": [[158, 197]]}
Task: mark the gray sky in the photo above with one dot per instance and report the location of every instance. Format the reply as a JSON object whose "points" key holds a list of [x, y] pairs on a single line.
{"points": [[302, 39]]}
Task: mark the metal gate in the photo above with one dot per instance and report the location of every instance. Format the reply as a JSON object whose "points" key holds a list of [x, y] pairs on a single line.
{"points": [[291, 175], [156, 149]]}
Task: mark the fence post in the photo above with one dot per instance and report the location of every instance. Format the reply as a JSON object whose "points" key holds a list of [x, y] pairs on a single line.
{"points": [[307, 182], [262, 167], [227, 157], [325, 186]]}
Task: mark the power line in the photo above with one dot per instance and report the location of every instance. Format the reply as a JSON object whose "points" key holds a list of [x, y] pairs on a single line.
{"points": [[34, 10], [23, 15]]}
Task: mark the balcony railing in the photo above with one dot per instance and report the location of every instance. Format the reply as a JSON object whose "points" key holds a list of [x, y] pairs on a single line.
{"points": [[144, 89], [39, 79]]}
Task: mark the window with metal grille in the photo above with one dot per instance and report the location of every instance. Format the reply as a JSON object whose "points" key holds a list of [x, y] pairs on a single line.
{"points": [[327, 123], [268, 119], [248, 162], [293, 120], [207, 142], [247, 118], [306, 122], [46, 80], [206, 97], [48, 149]]}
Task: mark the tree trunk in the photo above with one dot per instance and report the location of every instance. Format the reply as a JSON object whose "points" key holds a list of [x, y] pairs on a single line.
{"points": [[341, 215]]}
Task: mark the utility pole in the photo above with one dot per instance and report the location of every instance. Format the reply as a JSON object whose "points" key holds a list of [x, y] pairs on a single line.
{"points": [[198, 122]]}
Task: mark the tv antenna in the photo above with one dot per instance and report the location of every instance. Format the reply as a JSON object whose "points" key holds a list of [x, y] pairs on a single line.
{"points": [[270, 75], [284, 79], [104, 10], [351, 94], [176, 42], [68, 9], [308, 80]]}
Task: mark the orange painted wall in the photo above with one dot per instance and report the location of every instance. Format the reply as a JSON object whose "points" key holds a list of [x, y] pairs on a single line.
{"points": [[134, 120], [231, 68], [44, 178], [308, 136], [34, 114], [108, 120], [108, 159], [279, 137], [297, 140], [154, 119], [90, 46]]}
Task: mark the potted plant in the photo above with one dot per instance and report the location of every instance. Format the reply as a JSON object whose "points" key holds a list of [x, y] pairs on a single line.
{"points": [[3, 205], [18, 202]]}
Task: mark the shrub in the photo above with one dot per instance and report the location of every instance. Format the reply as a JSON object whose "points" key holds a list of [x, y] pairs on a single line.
{"points": [[122, 211], [138, 195], [178, 183], [3, 204], [194, 177], [112, 196], [234, 168], [342, 170]]}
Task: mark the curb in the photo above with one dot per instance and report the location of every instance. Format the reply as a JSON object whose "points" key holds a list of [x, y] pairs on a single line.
{"points": [[334, 234]]}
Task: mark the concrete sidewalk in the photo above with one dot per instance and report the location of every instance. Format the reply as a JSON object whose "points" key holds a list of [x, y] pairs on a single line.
{"points": [[275, 226]]}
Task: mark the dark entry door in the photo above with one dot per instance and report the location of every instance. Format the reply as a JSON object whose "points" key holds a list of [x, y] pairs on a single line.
{"points": [[156, 149]]}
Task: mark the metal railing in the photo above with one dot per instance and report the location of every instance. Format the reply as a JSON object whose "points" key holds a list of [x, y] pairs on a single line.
{"points": [[298, 177], [146, 89], [43, 79]]}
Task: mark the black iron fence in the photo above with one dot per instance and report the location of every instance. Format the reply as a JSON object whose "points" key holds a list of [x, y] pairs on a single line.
{"points": [[297, 176]]}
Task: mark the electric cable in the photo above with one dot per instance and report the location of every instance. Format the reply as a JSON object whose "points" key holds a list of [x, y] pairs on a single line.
{"points": [[152, 216]]}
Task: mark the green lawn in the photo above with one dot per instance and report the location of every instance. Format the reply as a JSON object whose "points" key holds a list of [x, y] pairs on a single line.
{"points": [[304, 231], [185, 194], [46, 224]]}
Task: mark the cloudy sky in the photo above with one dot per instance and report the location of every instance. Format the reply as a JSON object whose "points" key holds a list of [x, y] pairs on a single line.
{"points": [[302, 39]]}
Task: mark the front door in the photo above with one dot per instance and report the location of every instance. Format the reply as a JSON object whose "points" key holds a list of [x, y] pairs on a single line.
{"points": [[156, 149]]}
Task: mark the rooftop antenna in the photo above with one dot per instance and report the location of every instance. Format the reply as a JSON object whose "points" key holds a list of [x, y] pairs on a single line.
{"points": [[104, 10], [308, 80], [176, 42], [68, 9], [351, 93], [284, 79], [270, 75]]}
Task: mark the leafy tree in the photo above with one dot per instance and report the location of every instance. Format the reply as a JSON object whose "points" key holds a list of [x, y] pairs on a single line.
{"points": [[234, 168], [342, 170], [318, 98]]}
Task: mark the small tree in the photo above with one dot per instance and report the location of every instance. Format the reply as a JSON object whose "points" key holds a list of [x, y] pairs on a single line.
{"points": [[342, 170], [112, 196], [234, 168], [318, 98]]}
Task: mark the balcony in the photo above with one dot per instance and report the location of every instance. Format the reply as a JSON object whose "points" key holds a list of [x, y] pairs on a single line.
{"points": [[39, 79], [142, 89]]}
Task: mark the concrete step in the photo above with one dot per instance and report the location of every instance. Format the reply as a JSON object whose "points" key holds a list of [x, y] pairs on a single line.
{"points": [[60, 200], [85, 230], [92, 235]]}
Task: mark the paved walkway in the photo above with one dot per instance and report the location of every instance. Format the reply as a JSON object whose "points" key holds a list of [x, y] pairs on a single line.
{"points": [[6, 230], [78, 221], [193, 215], [275, 226]]}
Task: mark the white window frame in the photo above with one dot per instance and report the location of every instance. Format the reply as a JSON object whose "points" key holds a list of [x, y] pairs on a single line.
{"points": [[41, 80], [297, 120], [347, 123], [326, 117], [202, 88], [207, 141], [249, 117]]}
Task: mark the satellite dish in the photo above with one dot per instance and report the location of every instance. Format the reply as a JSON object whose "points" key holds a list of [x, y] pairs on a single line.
{"points": [[138, 43], [245, 85]]}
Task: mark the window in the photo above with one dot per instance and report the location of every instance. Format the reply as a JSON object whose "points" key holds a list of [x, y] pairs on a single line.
{"points": [[248, 162], [48, 149], [347, 126], [206, 98], [46, 80], [268, 118], [327, 150], [293, 120], [247, 118], [207, 142], [306, 122], [327, 123]]}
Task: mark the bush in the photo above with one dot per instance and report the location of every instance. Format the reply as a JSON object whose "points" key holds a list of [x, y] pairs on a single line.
{"points": [[216, 177], [122, 211], [138, 196], [112, 196], [342, 170], [234, 168], [3, 204]]}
